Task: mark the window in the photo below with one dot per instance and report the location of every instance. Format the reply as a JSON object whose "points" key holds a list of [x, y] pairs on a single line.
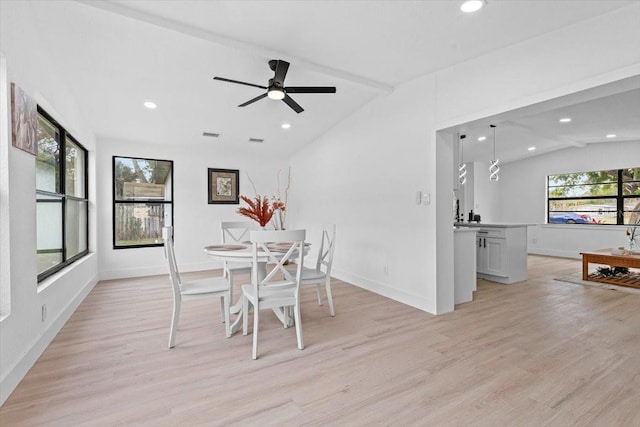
{"points": [[61, 196], [142, 201], [598, 197]]}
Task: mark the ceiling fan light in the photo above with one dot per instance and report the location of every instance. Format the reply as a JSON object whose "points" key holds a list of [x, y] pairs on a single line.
{"points": [[276, 94], [471, 6]]}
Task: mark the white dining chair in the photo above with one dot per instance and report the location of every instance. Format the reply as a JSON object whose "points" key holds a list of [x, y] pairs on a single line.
{"points": [[235, 232], [280, 288], [217, 287], [321, 274]]}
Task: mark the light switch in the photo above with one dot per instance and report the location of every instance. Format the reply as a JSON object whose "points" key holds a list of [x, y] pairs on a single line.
{"points": [[418, 197], [426, 198]]}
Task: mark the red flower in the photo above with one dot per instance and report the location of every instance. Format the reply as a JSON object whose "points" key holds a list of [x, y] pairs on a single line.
{"points": [[259, 209], [278, 204]]}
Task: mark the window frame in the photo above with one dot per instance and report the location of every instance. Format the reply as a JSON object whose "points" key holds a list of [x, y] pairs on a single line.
{"points": [[620, 198], [137, 201], [64, 136]]}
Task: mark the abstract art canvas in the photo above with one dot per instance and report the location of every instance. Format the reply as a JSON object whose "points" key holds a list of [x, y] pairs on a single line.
{"points": [[24, 121]]}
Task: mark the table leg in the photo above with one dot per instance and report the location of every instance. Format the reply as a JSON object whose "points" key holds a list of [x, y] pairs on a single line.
{"points": [[237, 324], [585, 267], [237, 307]]}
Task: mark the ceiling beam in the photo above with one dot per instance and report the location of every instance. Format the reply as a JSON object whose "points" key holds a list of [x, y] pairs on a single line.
{"points": [[249, 48]]}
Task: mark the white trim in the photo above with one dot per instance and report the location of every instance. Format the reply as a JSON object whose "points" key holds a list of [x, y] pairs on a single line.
{"points": [[158, 270], [5, 219], [555, 253], [387, 291]]}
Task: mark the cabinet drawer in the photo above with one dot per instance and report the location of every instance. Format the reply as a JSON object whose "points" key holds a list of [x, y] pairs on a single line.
{"points": [[497, 233]]}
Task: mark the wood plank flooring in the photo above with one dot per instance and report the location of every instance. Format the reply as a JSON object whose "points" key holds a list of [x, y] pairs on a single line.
{"points": [[537, 353]]}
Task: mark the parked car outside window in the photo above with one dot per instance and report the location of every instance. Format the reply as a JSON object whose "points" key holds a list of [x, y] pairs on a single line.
{"points": [[569, 218]]}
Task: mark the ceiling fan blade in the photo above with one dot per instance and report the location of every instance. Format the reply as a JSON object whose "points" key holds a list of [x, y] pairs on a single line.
{"points": [[281, 71], [251, 101], [293, 104], [238, 82], [310, 89]]}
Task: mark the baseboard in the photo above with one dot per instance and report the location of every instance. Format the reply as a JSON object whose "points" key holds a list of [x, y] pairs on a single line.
{"points": [[18, 371], [157, 270], [386, 291], [554, 252]]}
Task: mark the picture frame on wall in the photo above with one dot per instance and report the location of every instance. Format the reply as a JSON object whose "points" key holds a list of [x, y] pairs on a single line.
{"points": [[224, 186], [24, 121]]}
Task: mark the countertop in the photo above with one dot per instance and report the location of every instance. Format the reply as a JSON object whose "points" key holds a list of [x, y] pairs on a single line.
{"points": [[488, 225], [465, 230]]}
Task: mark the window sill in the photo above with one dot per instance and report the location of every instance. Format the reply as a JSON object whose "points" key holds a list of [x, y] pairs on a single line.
{"points": [[51, 280], [586, 226]]}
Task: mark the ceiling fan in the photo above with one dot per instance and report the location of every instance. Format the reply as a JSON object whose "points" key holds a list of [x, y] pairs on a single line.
{"points": [[276, 88]]}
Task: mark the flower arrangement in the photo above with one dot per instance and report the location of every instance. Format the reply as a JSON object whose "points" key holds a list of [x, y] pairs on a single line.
{"points": [[263, 209], [260, 209], [279, 208]]}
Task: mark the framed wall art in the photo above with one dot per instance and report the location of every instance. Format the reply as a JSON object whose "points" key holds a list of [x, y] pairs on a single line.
{"points": [[24, 121], [224, 186]]}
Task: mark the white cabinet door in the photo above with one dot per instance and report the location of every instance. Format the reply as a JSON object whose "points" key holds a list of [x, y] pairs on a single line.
{"points": [[495, 256], [491, 256]]}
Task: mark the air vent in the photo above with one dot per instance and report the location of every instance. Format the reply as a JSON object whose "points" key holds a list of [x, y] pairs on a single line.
{"points": [[211, 134], [256, 140]]}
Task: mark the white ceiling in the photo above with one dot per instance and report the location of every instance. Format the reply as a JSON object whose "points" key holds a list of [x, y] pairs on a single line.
{"points": [[117, 54], [612, 109]]}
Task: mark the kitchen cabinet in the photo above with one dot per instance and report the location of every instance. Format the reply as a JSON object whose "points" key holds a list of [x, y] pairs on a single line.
{"points": [[501, 251], [491, 255]]}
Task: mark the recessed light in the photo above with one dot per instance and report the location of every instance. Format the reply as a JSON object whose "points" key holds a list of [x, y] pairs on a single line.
{"points": [[150, 105], [565, 120], [286, 126], [482, 138], [611, 135], [531, 148], [471, 6]]}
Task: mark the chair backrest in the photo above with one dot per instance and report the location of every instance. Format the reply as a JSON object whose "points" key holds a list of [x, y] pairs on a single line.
{"points": [[327, 247], [278, 247], [235, 231], [169, 253]]}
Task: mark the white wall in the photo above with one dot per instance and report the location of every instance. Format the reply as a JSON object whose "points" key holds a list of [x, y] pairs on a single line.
{"points": [[363, 174], [521, 196], [23, 334], [196, 223]]}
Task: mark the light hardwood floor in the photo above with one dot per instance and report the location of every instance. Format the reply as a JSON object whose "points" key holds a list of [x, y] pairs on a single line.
{"points": [[537, 353]]}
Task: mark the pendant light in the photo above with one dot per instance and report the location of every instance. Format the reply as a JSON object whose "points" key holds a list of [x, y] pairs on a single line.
{"points": [[494, 169], [462, 168]]}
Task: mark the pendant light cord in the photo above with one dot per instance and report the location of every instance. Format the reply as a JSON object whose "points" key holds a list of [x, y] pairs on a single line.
{"points": [[494, 141]]}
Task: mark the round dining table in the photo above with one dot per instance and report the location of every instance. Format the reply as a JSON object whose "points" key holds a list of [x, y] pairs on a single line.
{"points": [[243, 253]]}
